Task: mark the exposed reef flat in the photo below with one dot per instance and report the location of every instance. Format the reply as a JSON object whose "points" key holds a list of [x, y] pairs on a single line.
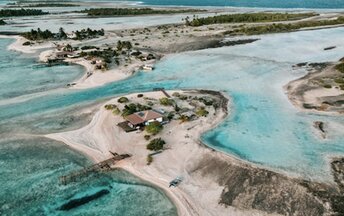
{"points": [[321, 89]]}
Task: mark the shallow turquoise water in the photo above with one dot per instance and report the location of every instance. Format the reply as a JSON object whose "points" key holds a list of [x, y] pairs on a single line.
{"points": [[29, 174], [22, 74], [30, 167], [264, 127]]}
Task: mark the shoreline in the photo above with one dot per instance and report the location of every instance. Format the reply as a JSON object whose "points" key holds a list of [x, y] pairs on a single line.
{"points": [[202, 168], [183, 202]]}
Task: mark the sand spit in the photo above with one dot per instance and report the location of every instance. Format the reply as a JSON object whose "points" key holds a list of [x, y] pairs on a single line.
{"points": [[213, 183]]}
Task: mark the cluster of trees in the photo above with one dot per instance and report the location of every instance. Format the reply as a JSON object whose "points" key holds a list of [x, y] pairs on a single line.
{"points": [[154, 128], [166, 101], [247, 17], [156, 144], [88, 34], [61, 34], [38, 35], [2, 22], [124, 45], [285, 27], [21, 12], [133, 108], [106, 54], [132, 11]]}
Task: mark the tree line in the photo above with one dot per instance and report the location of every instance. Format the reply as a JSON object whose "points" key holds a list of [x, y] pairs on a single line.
{"points": [[62, 35], [21, 12], [247, 17], [285, 27], [132, 11]]}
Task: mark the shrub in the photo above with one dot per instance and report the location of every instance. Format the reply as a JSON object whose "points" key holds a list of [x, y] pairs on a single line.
{"points": [[140, 95], [170, 115], [341, 87], [27, 43], [154, 128], [156, 144], [166, 101], [202, 112], [184, 118], [340, 67], [149, 159], [147, 137], [116, 111], [110, 106], [339, 80], [327, 86], [123, 100], [175, 94]]}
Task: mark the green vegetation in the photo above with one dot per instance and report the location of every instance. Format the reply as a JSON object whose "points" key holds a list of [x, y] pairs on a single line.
{"points": [[340, 67], [21, 12], [2, 22], [154, 128], [113, 107], [88, 34], [166, 101], [61, 35], [247, 17], [149, 159], [156, 144], [106, 54], [27, 43], [88, 47], [123, 100], [132, 11], [38, 35], [133, 108], [327, 86], [110, 106], [140, 95], [147, 137], [202, 112], [123, 45], [206, 101], [180, 96], [284, 27], [339, 80], [116, 111], [184, 118]]}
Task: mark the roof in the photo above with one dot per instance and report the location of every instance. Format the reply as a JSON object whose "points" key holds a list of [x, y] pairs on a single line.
{"points": [[143, 116]]}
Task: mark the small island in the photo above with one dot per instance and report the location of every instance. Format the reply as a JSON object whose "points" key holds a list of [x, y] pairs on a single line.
{"points": [[322, 89]]}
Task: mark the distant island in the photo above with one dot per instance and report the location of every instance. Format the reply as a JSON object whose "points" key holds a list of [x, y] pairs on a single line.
{"points": [[134, 11], [21, 12]]}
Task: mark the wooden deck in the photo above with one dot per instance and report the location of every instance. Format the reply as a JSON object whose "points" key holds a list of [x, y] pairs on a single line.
{"points": [[99, 167]]}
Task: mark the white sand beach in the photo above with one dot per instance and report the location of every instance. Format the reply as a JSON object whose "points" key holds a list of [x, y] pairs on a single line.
{"points": [[183, 149]]}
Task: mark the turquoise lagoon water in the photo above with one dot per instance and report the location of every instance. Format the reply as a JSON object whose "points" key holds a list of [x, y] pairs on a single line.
{"points": [[29, 184], [30, 166], [264, 127], [22, 74]]}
